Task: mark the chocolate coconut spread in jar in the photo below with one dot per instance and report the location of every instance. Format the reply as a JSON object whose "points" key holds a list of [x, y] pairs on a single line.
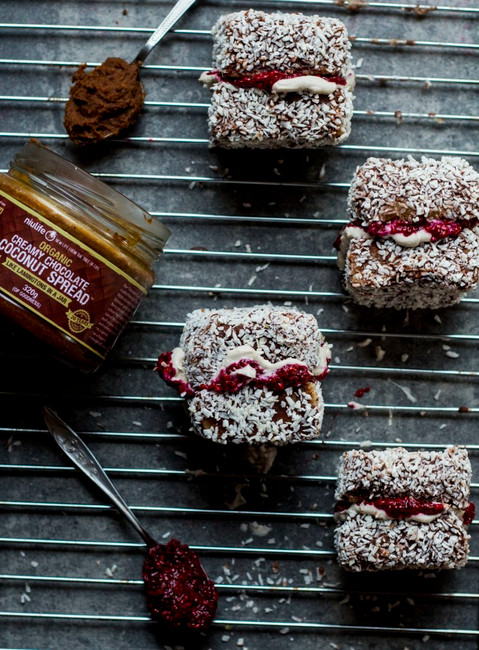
{"points": [[76, 256]]}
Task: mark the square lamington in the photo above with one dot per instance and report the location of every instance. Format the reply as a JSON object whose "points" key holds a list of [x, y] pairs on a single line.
{"points": [[250, 375], [397, 509], [279, 80], [413, 238]]}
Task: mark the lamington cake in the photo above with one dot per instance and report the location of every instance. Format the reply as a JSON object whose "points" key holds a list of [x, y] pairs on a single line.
{"points": [[279, 80], [413, 238], [403, 510], [250, 375]]}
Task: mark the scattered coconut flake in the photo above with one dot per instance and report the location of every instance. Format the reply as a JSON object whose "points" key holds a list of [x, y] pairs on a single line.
{"points": [[407, 391], [110, 572], [365, 443], [451, 354], [437, 394], [404, 357], [380, 353], [437, 318], [237, 243], [365, 343], [260, 530], [262, 268]]}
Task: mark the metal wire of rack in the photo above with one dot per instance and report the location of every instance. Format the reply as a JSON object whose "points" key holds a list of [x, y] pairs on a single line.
{"points": [[247, 228]]}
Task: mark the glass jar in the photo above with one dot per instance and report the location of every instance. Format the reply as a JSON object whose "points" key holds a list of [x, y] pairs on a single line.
{"points": [[76, 256]]}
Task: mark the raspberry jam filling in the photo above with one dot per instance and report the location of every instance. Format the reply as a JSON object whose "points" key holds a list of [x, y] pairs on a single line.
{"points": [[178, 591], [406, 507], [436, 228], [266, 80], [231, 379]]}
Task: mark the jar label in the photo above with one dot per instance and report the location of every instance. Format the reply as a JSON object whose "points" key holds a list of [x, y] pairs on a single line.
{"points": [[66, 283]]}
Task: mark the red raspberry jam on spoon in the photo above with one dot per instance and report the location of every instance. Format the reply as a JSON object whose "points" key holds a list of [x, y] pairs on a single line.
{"points": [[178, 591]]}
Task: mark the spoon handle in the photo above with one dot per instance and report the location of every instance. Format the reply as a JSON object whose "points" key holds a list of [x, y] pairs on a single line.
{"points": [[83, 458], [175, 14]]}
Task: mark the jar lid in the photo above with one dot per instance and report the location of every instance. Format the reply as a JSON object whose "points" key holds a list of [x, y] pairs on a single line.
{"points": [[82, 191]]}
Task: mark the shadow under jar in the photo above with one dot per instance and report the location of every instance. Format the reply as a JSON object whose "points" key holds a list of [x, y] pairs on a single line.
{"points": [[76, 256]]}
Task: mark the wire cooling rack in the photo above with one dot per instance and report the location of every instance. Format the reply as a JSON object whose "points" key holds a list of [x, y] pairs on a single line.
{"points": [[248, 227]]}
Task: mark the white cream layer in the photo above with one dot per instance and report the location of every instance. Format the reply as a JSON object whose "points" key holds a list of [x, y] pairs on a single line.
{"points": [[377, 513], [178, 363]]}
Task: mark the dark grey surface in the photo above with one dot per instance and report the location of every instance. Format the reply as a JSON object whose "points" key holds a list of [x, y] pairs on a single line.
{"points": [[122, 397]]}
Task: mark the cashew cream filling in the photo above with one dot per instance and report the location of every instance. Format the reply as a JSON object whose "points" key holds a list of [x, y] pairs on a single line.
{"points": [[377, 513]]}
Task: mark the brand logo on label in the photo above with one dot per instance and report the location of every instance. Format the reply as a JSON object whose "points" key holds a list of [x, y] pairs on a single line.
{"points": [[79, 320], [50, 235]]}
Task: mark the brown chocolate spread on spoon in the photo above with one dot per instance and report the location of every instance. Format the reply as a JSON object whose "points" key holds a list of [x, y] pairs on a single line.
{"points": [[108, 99], [104, 101]]}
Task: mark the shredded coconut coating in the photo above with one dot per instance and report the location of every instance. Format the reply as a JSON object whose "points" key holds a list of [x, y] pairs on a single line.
{"points": [[364, 543], [247, 41], [258, 415], [380, 273], [443, 476], [410, 189], [251, 41], [247, 117], [277, 333]]}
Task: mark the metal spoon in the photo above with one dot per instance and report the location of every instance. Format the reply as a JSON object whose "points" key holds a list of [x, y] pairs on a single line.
{"points": [[175, 14], [191, 604], [83, 458]]}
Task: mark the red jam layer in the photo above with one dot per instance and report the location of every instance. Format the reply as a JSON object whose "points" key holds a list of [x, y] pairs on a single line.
{"points": [[289, 375], [266, 80], [178, 591], [438, 228], [404, 507]]}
